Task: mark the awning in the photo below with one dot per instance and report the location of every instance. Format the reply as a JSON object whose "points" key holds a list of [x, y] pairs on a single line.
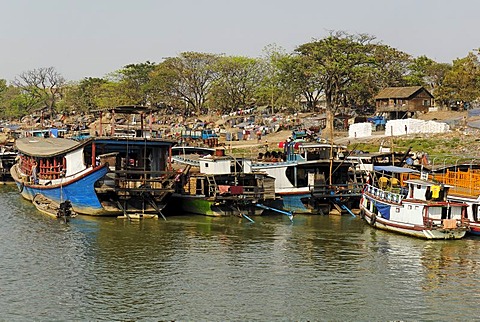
{"points": [[394, 169]]}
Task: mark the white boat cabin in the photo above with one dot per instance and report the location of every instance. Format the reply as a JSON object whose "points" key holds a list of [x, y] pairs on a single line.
{"points": [[215, 165]]}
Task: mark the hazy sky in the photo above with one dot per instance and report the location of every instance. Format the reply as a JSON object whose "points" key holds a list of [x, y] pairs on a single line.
{"points": [[90, 38]]}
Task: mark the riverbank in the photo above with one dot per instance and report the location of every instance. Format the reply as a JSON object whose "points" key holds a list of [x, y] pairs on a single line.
{"points": [[461, 142]]}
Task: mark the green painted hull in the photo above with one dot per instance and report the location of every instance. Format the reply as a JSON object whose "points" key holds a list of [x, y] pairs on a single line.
{"points": [[180, 204]]}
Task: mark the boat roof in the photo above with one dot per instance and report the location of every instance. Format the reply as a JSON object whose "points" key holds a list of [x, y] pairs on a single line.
{"points": [[309, 145], [46, 147], [394, 169], [426, 183]]}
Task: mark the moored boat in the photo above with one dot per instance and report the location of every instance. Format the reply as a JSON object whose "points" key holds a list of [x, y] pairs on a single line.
{"points": [[54, 209], [414, 207], [105, 176], [464, 179], [311, 178], [56, 168], [216, 185]]}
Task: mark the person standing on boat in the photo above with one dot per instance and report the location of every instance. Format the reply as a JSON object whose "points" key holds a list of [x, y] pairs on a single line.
{"points": [[34, 172]]}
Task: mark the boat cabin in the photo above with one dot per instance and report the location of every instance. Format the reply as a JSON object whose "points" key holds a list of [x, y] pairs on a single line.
{"points": [[426, 191], [215, 165]]}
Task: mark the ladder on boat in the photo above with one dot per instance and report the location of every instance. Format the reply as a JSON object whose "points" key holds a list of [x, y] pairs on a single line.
{"points": [[212, 185]]}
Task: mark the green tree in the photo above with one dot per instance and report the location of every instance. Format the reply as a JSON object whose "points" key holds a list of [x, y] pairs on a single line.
{"points": [[301, 78], [427, 72], [340, 58], [13, 104], [91, 92], [387, 68], [461, 82], [187, 78], [270, 91], [134, 82], [236, 82]]}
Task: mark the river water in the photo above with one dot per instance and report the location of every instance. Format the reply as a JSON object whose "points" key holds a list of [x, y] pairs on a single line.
{"points": [[227, 269]]}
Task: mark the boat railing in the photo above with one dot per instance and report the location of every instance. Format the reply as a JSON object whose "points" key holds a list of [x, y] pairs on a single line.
{"points": [[139, 181], [247, 193], [463, 182], [384, 195], [337, 190], [445, 223]]}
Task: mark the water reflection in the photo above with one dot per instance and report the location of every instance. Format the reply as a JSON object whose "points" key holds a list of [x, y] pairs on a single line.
{"points": [[216, 269]]}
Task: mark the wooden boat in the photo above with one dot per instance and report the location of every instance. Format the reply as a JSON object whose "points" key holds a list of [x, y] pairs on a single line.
{"points": [[101, 176], [216, 185], [311, 178], [464, 180], [414, 207], [54, 209]]}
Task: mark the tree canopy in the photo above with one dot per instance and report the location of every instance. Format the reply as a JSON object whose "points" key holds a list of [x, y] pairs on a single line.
{"points": [[341, 69]]}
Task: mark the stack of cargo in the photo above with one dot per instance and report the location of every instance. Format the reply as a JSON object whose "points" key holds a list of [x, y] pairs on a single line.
{"points": [[413, 126], [360, 130]]}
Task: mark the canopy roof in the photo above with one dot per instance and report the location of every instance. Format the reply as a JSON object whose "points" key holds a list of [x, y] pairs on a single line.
{"points": [[393, 169], [46, 147]]}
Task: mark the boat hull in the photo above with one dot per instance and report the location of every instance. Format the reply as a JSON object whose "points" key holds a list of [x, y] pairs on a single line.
{"points": [[200, 205], [418, 231], [80, 191], [294, 203]]}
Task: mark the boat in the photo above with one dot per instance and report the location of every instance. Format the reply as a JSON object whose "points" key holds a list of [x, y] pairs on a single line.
{"points": [[416, 207], [7, 159], [464, 179], [217, 185], [54, 209], [102, 176], [311, 178], [57, 169]]}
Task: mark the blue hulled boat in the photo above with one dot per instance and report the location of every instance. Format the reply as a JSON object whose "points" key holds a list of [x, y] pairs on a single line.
{"points": [[55, 168]]}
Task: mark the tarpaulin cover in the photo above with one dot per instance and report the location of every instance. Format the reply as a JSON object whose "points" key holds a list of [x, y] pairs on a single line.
{"points": [[383, 209]]}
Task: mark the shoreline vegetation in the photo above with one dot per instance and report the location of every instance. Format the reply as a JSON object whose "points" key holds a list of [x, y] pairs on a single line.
{"points": [[338, 74]]}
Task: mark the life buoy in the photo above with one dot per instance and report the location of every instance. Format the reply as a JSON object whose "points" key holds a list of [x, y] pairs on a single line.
{"points": [[20, 188]]}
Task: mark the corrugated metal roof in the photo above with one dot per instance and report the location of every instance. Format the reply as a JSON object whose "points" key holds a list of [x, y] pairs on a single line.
{"points": [[399, 92]]}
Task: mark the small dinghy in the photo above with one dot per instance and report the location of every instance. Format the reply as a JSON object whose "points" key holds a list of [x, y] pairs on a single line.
{"points": [[57, 210]]}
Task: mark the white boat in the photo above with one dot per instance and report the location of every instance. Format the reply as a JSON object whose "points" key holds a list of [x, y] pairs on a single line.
{"points": [[414, 207], [311, 178], [465, 180]]}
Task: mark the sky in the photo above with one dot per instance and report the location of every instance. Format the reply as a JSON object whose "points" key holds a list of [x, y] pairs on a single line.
{"points": [[91, 38]]}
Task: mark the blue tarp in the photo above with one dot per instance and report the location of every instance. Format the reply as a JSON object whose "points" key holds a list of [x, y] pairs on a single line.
{"points": [[383, 209]]}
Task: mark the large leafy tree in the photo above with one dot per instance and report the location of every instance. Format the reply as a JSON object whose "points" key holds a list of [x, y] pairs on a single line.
{"points": [[387, 68], [43, 88], [340, 58], [301, 79], [187, 78], [91, 91], [462, 82], [270, 88], [427, 72], [134, 82], [236, 83]]}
